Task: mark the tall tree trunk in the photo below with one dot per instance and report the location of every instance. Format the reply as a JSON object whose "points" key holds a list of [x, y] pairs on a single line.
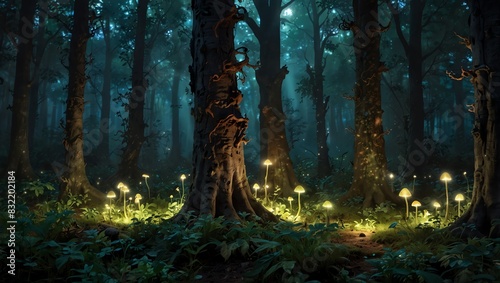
{"points": [[220, 185], [175, 150], [415, 157], [35, 85], [273, 140], [370, 163], [74, 178], [104, 123], [415, 76], [484, 211], [319, 100], [19, 159], [134, 136]]}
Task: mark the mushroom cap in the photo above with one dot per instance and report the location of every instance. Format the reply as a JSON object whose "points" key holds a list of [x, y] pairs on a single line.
{"points": [[120, 185], [404, 193], [445, 177], [124, 189], [436, 204], [183, 177], [459, 197], [138, 196], [256, 186], [327, 204], [111, 194], [268, 162], [299, 189], [145, 176], [416, 203], [290, 199]]}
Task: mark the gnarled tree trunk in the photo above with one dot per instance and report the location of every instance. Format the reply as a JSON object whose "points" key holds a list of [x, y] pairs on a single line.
{"points": [[370, 163], [74, 178], [19, 159], [220, 186], [485, 42]]}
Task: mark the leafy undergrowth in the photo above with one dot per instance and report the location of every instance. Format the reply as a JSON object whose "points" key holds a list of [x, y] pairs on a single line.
{"points": [[134, 242]]}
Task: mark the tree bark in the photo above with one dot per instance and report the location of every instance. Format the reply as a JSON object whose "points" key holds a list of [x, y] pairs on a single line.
{"points": [[104, 123], [273, 140], [134, 135], [485, 40], [220, 186], [74, 178], [370, 163], [19, 159]]}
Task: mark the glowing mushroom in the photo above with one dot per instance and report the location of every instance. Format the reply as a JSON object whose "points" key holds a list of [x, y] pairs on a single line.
{"points": [[256, 187], [124, 189], [137, 200], [459, 198], [110, 195], [299, 190], [416, 204], [413, 186], [183, 177], [405, 193], [445, 177], [268, 163], [146, 176], [437, 205], [467, 179], [290, 199], [327, 205]]}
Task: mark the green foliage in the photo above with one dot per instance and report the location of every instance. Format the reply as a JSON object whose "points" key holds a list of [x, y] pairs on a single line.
{"points": [[402, 266], [37, 188], [478, 259], [294, 254]]}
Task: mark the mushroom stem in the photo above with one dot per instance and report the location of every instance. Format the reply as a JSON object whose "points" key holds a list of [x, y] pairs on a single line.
{"points": [[298, 211], [447, 202], [407, 208]]}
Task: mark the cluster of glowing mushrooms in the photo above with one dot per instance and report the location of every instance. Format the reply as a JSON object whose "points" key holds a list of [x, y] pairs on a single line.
{"points": [[138, 197], [298, 189], [445, 177]]}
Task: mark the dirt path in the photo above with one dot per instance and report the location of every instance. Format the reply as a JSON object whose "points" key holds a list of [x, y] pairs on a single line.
{"points": [[364, 248]]}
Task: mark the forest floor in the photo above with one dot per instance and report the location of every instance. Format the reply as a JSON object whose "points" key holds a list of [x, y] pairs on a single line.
{"points": [[360, 243]]}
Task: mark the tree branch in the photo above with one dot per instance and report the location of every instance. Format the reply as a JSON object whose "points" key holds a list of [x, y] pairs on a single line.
{"points": [[397, 21], [287, 4], [253, 25]]}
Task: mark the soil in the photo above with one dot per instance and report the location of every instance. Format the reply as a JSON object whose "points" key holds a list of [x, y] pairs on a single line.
{"points": [[360, 242]]}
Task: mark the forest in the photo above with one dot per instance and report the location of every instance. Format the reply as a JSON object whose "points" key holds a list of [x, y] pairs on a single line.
{"points": [[250, 140]]}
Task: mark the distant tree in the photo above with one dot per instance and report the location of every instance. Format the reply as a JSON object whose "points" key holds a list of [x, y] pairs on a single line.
{"points": [[484, 41], [19, 159], [270, 76], [220, 186], [74, 178], [323, 28], [103, 150], [134, 134], [416, 55], [370, 163]]}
